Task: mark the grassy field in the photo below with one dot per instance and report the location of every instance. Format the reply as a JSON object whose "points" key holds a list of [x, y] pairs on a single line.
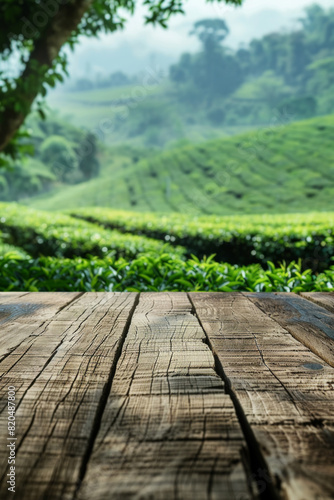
{"points": [[282, 169]]}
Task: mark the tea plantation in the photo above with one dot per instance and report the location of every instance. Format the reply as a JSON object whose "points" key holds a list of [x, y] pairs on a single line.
{"points": [[55, 251], [237, 239], [169, 225], [278, 169]]}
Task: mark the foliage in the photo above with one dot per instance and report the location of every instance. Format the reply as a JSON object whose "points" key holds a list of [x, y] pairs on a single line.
{"points": [[59, 154], [62, 154], [155, 273], [279, 66], [236, 239], [211, 33], [59, 246], [27, 178], [11, 251], [153, 120], [213, 72], [38, 32], [207, 96], [88, 161], [42, 233]]}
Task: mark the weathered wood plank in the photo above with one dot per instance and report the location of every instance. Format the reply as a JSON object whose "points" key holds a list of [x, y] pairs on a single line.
{"points": [[284, 393], [307, 322], [61, 375], [324, 299], [25, 314], [5, 296], [33, 307], [168, 431]]}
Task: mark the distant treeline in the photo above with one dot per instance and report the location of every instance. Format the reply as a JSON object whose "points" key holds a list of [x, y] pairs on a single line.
{"points": [[294, 71], [285, 73], [116, 79]]}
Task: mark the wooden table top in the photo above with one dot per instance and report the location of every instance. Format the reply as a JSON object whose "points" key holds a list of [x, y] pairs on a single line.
{"points": [[167, 396]]}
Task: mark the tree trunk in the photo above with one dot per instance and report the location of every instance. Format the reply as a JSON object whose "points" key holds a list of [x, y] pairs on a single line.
{"points": [[46, 49]]}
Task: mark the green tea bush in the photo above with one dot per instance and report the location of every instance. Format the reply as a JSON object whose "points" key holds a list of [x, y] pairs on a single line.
{"points": [[54, 234], [11, 250], [155, 273], [242, 240]]}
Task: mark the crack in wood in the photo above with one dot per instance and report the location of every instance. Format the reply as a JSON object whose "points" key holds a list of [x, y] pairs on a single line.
{"points": [[308, 321], [257, 460], [274, 374], [323, 299], [103, 399]]}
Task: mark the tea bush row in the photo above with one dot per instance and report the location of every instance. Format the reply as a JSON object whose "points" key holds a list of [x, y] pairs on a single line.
{"points": [[59, 235], [155, 273], [242, 240]]}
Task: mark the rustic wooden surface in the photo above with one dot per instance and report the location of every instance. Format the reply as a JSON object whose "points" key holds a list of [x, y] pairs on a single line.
{"points": [[168, 396]]}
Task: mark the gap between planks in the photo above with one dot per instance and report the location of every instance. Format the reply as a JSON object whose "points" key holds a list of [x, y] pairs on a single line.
{"points": [[265, 481], [60, 372]]}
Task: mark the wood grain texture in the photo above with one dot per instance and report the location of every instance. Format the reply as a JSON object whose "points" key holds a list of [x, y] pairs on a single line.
{"points": [[285, 392], [168, 431], [307, 322], [60, 372], [4, 296], [136, 401], [324, 299], [25, 314]]}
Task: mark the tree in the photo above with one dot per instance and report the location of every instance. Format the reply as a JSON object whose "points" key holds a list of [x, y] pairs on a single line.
{"points": [[297, 56], [270, 88], [38, 31], [58, 153], [258, 56], [215, 71], [118, 79], [180, 72], [88, 161], [211, 32]]}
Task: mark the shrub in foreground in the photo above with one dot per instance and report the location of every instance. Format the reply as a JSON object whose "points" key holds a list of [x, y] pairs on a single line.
{"points": [[155, 273]]}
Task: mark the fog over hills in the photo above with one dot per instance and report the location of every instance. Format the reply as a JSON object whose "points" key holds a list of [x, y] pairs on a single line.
{"points": [[138, 46]]}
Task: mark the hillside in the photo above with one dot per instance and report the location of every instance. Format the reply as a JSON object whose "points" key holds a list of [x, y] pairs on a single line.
{"points": [[140, 115], [282, 169]]}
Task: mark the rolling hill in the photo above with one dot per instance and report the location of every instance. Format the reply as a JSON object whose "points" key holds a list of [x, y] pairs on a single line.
{"points": [[139, 115], [277, 169]]}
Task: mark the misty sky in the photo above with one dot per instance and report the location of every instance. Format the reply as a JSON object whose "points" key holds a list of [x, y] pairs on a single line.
{"points": [[139, 46]]}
